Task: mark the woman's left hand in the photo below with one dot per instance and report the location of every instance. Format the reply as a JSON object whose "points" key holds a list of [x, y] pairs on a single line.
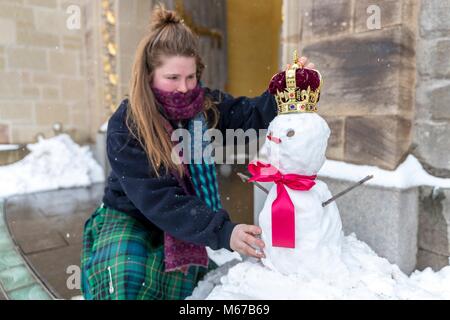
{"points": [[303, 61]]}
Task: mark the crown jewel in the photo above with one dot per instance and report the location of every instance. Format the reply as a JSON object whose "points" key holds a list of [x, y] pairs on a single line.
{"points": [[297, 89]]}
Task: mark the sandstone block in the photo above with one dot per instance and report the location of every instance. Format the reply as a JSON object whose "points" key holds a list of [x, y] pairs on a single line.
{"points": [[37, 39], [433, 100], [366, 74], [336, 141], [8, 34], [434, 220], [9, 87], [47, 113], [43, 3], [381, 141], [433, 56], [434, 18], [427, 259], [325, 18], [50, 93], [73, 89], [73, 42], [23, 16], [63, 63], [27, 58], [433, 143], [16, 111], [30, 91]]}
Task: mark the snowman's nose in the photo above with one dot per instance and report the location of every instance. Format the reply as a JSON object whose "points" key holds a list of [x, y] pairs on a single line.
{"points": [[274, 139]]}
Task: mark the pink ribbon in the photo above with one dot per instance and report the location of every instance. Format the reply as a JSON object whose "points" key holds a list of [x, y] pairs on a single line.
{"points": [[283, 213]]}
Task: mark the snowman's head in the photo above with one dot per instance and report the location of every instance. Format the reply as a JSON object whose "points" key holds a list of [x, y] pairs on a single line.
{"points": [[296, 143]]}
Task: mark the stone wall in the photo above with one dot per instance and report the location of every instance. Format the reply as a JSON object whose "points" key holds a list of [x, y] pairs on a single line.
{"points": [[434, 228], [50, 73], [432, 118], [43, 73], [432, 130], [368, 71]]}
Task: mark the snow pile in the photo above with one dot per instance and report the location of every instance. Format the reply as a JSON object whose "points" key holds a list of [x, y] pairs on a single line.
{"points": [[368, 276], [407, 175], [53, 163]]}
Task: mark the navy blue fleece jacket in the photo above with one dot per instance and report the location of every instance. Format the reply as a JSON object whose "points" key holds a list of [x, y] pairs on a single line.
{"points": [[160, 202]]}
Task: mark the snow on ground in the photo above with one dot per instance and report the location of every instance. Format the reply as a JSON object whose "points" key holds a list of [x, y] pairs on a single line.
{"points": [[368, 276], [408, 174], [52, 163], [9, 147]]}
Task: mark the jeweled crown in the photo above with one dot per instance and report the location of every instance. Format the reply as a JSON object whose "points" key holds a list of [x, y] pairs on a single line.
{"points": [[297, 89]]}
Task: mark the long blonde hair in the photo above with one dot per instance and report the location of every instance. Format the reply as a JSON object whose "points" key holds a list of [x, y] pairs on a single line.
{"points": [[167, 36]]}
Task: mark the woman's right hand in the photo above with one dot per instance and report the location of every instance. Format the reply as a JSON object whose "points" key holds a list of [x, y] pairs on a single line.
{"points": [[243, 238]]}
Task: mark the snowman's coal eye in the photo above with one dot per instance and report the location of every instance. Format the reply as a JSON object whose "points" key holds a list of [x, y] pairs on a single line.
{"points": [[290, 133]]}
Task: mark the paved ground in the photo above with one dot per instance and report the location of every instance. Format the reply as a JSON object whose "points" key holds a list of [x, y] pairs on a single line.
{"points": [[47, 230]]}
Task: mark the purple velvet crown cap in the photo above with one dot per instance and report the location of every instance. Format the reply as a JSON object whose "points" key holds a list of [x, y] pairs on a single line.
{"points": [[304, 78]]}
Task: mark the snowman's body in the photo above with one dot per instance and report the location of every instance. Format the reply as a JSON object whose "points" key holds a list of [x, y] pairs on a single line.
{"points": [[318, 230]]}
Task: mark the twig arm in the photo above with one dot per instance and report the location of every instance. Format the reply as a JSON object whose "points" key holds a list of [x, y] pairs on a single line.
{"points": [[245, 178], [340, 194]]}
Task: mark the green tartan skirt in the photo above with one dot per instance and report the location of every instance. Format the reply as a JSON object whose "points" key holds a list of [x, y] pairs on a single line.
{"points": [[120, 261]]}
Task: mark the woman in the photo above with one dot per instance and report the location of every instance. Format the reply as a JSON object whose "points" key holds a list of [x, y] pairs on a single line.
{"points": [[147, 240]]}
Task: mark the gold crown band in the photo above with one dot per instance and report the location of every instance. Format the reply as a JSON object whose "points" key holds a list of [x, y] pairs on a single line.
{"points": [[300, 101]]}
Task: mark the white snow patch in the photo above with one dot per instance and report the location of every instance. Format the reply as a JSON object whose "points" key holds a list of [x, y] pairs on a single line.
{"points": [[53, 163], [407, 175]]}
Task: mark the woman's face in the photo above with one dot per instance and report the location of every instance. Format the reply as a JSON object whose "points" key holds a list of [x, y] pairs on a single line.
{"points": [[176, 73]]}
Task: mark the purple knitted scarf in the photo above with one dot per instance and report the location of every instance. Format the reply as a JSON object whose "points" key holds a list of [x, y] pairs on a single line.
{"points": [[178, 254], [181, 106]]}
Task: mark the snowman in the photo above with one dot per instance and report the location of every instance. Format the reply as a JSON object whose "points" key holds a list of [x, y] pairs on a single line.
{"points": [[307, 255], [301, 235]]}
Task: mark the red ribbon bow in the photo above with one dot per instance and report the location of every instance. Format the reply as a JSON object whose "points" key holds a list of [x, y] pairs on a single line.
{"points": [[283, 213]]}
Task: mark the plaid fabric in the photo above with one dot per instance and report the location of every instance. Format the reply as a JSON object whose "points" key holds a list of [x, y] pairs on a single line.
{"points": [[204, 179], [120, 260], [203, 174]]}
